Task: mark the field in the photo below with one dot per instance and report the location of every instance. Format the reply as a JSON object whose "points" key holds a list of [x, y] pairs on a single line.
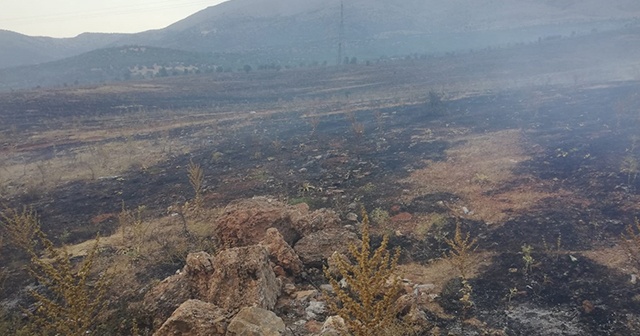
{"points": [[521, 149]]}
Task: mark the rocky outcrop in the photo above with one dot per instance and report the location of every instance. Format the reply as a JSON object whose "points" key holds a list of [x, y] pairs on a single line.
{"points": [[281, 253], [194, 318], [245, 222], [316, 247], [198, 270], [166, 296], [254, 321], [243, 277], [233, 279]]}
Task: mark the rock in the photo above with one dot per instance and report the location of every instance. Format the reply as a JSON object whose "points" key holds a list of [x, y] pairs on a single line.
{"points": [[163, 299], [289, 288], [314, 309], [320, 219], [316, 247], [326, 288], [243, 277], [194, 318], [313, 327], [198, 270], [245, 222], [404, 304], [402, 217], [281, 253], [254, 321], [332, 263], [305, 295], [334, 326], [352, 217]]}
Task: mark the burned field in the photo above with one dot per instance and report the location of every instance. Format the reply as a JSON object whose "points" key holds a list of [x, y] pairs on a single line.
{"points": [[544, 175]]}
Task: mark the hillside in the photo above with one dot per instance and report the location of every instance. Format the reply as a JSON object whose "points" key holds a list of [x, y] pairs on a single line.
{"points": [[109, 64], [379, 27], [309, 30], [18, 49]]}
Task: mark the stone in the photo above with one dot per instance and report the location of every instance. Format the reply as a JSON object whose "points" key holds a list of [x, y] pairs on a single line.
{"points": [[281, 253], [305, 295], [334, 326], [316, 247], [246, 221], [198, 269], [163, 299], [243, 277], [352, 217], [314, 309], [194, 318], [255, 321]]}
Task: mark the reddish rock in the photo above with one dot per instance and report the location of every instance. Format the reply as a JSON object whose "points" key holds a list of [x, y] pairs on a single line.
{"points": [[256, 321], [243, 277], [402, 217], [198, 269], [245, 222], [281, 253], [195, 318], [316, 247], [165, 297]]}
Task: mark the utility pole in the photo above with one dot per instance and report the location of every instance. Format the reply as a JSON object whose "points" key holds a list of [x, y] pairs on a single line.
{"points": [[341, 33]]}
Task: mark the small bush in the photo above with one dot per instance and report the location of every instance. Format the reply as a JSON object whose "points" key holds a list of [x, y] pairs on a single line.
{"points": [[70, 301], [367, 304]]}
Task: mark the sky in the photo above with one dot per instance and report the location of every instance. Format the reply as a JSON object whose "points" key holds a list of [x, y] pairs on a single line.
{"points": [[69, 18]]}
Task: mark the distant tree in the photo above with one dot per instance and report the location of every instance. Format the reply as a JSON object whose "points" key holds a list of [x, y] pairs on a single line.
{"points": [[346, 60], [247, 68], [163, 72], [353, 60]]}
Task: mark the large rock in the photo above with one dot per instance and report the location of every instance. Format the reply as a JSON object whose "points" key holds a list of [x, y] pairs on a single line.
{"points": [[316, 247], [245, 222], [281, 253], [165, 297], [195, 318], [191, 282], [199, 269], [243, 277], [254, 321]]}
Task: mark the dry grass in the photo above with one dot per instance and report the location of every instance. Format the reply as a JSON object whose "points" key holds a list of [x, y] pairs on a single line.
{"points": [[616, 257], [88, 162], [481, 172], [439, 272]]}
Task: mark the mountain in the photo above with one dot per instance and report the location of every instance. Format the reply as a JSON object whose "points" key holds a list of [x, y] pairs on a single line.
{"points": [[310, 30], [18, 49], [291, 32], [312, 27]]}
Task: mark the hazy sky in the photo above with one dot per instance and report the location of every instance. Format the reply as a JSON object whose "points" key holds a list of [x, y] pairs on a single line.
{"points": [[67, 18]]}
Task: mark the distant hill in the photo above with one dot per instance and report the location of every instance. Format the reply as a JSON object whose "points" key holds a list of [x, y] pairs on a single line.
{"points": [[374, 27], [292, 32], [106, 65], [17, 49], [310, 29]]}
